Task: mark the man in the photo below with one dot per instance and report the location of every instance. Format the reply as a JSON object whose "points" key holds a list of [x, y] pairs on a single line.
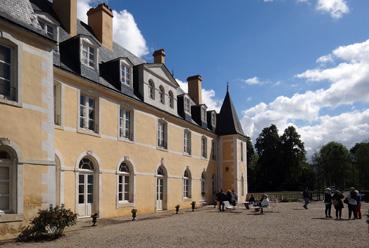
{"points": [[220, 198], [306, 197]]}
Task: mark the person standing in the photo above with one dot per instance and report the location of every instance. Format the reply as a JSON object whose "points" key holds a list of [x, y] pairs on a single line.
{"points": [[234, 198], [352, 203], [306, 197], [358, 206], [328, 202], [338, 203], [220, 199]]}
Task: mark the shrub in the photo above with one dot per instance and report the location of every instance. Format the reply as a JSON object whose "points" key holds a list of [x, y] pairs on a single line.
{"points": [[48, 225]]}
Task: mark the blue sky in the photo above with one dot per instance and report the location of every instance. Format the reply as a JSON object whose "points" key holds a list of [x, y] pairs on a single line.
{"points": [[268, 51]]}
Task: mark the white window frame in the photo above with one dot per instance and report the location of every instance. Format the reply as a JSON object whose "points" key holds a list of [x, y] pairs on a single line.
{"points": [[122, 175], [203, 114], [213, 119], [85, 110], [125, 73], [58, 94], [162, 134], [187, 142], [187, 105], [122, 119], [87, 46], [12, 183], [204, 147], [187, 184], [45, 25]]}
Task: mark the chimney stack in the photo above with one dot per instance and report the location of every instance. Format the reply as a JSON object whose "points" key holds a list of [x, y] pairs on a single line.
{"points": [[100, 19], [66, 10], [195, 88], [159, 56]]}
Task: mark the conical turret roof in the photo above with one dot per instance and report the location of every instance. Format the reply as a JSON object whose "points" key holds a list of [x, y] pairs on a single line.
{"points": [[228, 122]]}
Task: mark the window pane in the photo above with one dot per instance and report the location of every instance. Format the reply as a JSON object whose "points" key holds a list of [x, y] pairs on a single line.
{"points": [[4, 188], [90, 188], [5, 71], [81, 199], [4, 173], [4, 87], [90, 179], [4, 202], [120, 196], [90, 198], [81, 179], [91, 125], [4, 54]]}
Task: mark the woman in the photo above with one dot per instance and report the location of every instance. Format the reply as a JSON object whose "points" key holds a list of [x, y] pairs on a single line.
{"points": [[352, 203], [264, 203], [338, 203], [328, 202]]}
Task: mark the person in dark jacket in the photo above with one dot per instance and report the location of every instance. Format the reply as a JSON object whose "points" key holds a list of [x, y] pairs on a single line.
{"points": [[234, 198], [220, 199], [328, 202], [338, 203], [351, 201]]}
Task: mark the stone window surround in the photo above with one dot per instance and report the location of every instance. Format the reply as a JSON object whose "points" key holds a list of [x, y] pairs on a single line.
{"points": [[90, 45], [187, 147], [187, 184], [10, 41], [89, 93], [131, 110], [130, 203], [125, 63], [165, 134], [204, 147]]}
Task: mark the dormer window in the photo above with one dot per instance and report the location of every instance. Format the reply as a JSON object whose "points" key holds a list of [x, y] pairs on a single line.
{"points": [[187, 105], [47, 28], [213, 119], [162, 94], [88, 54], [125, 73], [203, 114], [171, 99], [152, 89]]}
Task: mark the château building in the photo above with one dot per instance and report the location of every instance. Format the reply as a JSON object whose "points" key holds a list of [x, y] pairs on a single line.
{"points": [[87, 124]]}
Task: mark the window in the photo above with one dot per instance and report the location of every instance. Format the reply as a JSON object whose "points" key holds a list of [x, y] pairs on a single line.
{"points": [[87, 115], [213, 150], [241, 151], [187, 105], [86, 164], [5, 181], [5, 72], [88, 55], [152, 89], [242, 185], [47, 28], [124, 183], [203, 114], [162, 94], [204, 144], [125, 74], [57, 104], [187, 142], [213, 119], [171, 99], [125, 123], [162, 134], [187, 184], [203, 183]]}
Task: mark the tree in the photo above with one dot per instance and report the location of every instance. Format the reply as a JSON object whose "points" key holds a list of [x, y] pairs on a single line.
{"points": [[293, 159], [360, 165], [268, 145], [251, 164], [334, 164], [250, 150]]}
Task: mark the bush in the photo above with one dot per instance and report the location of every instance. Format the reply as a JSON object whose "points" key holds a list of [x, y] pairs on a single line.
{"points": [[48, 225]]}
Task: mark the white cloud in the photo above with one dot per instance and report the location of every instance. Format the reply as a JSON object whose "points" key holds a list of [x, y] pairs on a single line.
{"points": [[348, 84], [335, 8], [325, 59], [208, 96], [253, 81], [125, 30]]}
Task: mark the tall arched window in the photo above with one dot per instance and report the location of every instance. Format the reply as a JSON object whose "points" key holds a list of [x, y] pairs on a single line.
{"points": [[152, 89], [203, 184], [171, 99], [242, 185], [187, 184], [162, 94], [87, 188], [7, 182], [125, 185]]}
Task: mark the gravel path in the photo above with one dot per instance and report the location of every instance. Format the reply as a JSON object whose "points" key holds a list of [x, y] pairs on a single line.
{"points": [[289, 225]]}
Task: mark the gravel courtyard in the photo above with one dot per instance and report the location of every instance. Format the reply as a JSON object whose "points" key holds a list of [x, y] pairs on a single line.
{"points": [[288, 225]]}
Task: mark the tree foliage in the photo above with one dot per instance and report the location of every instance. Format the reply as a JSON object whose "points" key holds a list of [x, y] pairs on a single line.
{"points": [[360, 161]]}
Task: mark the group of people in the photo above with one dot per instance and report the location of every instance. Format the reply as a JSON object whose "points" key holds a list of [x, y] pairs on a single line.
{"points": [[337, 199], [261, 204], [229, 196]]}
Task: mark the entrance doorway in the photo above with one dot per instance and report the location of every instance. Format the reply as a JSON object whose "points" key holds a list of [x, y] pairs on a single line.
{"points": [[86, 188], [161, 189]]}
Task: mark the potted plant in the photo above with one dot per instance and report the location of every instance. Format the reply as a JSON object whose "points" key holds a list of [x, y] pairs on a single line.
{"points": [[134, 214], [193, 206], [177, 208]]}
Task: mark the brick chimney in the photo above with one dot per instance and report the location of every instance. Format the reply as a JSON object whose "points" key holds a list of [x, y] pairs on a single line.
{"points": [[66, 10], [195, 88], [159, 56], [100, 19]]}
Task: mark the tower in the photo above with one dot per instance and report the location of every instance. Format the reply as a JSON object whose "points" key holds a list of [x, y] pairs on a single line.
{"points": [[232, 163]]}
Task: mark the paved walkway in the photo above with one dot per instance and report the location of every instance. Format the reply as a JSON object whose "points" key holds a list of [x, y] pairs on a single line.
{"points": [[288, 225]]}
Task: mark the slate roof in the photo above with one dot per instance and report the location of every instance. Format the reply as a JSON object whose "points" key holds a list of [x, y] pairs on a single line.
{"points": [[228, 122]]}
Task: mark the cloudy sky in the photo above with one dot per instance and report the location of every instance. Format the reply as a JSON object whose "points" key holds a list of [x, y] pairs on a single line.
{"points": [[289, 62]]}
